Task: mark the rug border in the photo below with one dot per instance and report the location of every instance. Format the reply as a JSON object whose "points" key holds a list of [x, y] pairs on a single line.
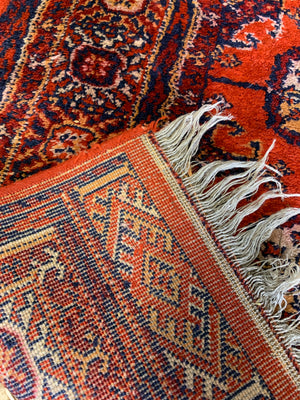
{"points": [[63, 169], [259, 322]]}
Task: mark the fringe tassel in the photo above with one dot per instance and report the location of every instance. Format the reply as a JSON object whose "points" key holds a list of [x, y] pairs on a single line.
{"points": [[271, 279]]}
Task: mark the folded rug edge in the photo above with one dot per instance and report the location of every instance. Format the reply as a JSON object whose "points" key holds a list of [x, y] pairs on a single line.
{"points": [[270, 279]]}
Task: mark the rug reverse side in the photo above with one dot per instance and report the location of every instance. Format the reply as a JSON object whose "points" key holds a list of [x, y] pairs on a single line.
{"points": [[113, 288]]}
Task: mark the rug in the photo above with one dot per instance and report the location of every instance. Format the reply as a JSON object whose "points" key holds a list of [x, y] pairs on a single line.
{"points": [[118, 281], [76, 72], [73, 73]]}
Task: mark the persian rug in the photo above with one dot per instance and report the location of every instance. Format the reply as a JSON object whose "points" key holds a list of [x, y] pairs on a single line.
{"points": [[75, 72], [125, 274]]}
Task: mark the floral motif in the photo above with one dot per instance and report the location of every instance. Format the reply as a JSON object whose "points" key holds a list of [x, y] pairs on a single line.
{"points": [[66, 141], [125, 6], [282, 99], [96, 67]]}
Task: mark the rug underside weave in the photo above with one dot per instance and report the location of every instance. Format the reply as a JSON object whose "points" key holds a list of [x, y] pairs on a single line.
{"points": [[113, 288]]}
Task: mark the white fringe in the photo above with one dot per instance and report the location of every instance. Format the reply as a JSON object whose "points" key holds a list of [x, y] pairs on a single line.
{"points": [[271, 279]]}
